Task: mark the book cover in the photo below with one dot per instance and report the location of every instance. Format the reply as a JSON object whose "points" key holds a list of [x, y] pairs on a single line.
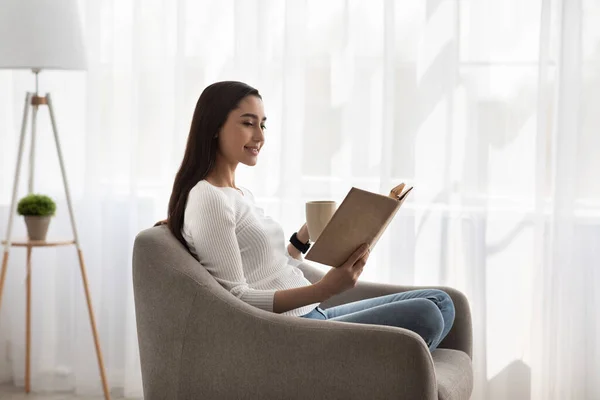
{"points": [[362, 217]]}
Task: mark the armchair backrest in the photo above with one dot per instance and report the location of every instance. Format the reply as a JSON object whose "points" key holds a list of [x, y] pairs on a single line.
{"points": [[166, 281]]}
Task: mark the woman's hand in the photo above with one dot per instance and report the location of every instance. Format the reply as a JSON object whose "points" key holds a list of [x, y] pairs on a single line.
{"points": [[344, 277], [302, 234], [163, 222]]}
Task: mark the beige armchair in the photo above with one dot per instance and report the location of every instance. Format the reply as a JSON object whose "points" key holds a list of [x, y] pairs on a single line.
{"points": [[198, 341]]}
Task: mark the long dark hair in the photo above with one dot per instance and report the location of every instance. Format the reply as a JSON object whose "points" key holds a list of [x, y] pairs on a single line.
{"points": [[213, 107]]}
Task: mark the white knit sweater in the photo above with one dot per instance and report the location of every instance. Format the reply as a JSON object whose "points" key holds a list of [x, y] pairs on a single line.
{"points": [[244, 250]]}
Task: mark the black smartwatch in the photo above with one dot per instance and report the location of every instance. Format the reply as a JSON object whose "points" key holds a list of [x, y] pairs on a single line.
{"points": [[302, 247]]}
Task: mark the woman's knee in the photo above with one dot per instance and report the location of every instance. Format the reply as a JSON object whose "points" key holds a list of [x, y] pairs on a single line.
{"points": [[440, 297], [444, 303], [430, 321], [447, 308]]}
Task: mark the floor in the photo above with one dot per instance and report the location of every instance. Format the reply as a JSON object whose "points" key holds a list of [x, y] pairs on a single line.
{"points": [[14, 393]]}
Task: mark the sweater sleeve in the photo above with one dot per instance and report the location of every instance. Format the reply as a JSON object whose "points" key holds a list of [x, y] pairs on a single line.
{"points": [[212, 227], [291, 260]]}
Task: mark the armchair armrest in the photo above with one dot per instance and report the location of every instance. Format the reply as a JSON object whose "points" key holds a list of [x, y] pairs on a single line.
{"points": [[460, 336]]}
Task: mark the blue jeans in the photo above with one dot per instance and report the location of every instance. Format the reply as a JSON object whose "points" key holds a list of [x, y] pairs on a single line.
{"points": [[427, 312]]}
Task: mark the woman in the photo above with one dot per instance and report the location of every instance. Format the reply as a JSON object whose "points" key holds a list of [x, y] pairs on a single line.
{"points": [[245, 250]]}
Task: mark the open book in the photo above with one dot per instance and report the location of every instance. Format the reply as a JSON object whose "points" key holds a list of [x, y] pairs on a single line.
{"points": [[362, 217]]}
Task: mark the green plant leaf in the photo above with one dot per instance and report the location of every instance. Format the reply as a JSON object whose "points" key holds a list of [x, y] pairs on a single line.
{"points": [[36, 205]]}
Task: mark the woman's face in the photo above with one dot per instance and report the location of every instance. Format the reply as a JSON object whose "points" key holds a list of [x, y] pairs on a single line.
{"points": [[242, 135]]}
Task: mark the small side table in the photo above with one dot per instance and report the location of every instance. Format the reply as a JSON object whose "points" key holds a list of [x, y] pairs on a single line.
{"points": [[30, 244]]}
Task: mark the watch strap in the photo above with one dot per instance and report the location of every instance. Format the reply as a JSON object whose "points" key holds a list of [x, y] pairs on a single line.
{"points": [[302, 247]]}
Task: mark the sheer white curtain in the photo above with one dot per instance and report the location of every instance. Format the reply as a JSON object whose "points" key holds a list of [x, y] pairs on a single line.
{"points": [[488, 107]]}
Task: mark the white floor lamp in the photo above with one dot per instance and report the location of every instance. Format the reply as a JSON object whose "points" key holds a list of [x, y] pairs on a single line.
{"points": [[38, 35]]}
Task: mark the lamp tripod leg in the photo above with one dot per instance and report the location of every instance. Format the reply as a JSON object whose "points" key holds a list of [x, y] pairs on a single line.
{"points": [[13, 201], [79, 252], [3, 273], [32, 149]]}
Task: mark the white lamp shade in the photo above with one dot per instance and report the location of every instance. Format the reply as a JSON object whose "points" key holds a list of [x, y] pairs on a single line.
{"points": [[41, 34]]}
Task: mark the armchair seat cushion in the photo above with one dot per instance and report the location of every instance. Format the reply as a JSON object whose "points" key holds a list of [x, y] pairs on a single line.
{"points": [[454, 374]]}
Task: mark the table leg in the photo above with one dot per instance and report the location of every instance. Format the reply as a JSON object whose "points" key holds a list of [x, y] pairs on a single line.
{"points": [[28, 326]]}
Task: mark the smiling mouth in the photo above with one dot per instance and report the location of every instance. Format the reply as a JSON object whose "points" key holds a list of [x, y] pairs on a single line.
{"points": [[252, 150]]}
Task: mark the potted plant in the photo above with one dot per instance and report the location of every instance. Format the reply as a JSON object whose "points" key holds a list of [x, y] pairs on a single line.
{"points": [[37, 210]]}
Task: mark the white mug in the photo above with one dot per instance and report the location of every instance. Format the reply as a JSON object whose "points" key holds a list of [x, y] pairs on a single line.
{"points": [[318, 214]]}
